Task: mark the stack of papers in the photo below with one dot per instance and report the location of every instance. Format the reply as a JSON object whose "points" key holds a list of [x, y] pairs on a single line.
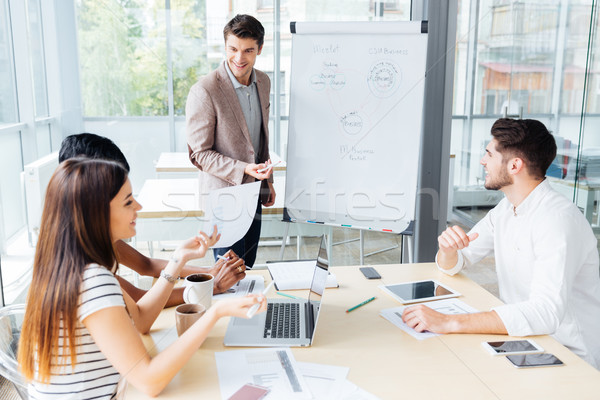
{"points": [[251, 284], [276, 369], [293, 275]]}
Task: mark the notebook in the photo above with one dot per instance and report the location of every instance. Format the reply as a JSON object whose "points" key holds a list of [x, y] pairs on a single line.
{"points": [[287, 322], [296, 274]]}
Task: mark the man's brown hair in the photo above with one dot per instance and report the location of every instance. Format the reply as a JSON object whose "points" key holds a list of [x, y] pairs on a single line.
{"points": [[245, 26], [527, 139]]}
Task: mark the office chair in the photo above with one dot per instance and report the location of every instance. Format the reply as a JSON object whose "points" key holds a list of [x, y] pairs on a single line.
{"points": [[11, 319]]}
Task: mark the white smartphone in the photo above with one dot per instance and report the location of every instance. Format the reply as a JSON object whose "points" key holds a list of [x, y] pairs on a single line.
{"points": [[534, 360], [508, 347]]}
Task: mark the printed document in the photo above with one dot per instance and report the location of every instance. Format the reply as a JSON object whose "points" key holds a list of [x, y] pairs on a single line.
{"points": [[274, 368], [251, 284], [446, 306], [232, 210]]}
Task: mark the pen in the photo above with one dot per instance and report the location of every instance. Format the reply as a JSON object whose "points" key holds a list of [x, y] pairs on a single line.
{"points": [[361, 304], [255, 307], [268, 166], [287, 295]]}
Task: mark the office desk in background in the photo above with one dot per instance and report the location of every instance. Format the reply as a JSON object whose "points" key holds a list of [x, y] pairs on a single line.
{"points": [[169, 164], [171, 211], [386, 361]]}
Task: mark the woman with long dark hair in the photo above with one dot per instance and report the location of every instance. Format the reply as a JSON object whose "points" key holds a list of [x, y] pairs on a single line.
{"points": [[79, 337]]}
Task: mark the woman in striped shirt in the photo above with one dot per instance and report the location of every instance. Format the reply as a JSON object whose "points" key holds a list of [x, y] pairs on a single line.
{"points": [[79, 337]]}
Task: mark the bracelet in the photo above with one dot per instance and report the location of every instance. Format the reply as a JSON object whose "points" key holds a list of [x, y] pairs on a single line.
{"points": [[168, 277]]}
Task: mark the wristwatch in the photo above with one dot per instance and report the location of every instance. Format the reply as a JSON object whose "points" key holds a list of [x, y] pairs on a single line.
{"points": [[168, 277]]}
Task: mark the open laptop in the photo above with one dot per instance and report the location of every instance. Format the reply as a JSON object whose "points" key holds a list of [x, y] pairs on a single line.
{"points": [[287, 322]]}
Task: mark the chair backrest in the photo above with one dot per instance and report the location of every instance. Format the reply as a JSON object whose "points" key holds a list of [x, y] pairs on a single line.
{"points": [[11, 320]]}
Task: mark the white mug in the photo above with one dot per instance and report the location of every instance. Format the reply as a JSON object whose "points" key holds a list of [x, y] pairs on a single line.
{"points": [[199, 289]]}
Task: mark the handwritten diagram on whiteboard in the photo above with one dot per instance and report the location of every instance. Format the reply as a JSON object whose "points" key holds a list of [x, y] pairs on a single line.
{"points": [[356, 103]]}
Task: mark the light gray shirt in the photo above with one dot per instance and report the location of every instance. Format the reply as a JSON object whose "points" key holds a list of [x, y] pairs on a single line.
{"points": [[250, 103]]}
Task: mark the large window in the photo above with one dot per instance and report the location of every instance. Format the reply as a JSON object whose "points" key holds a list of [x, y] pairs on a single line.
{"points": [[38, 58], [122, 58], [534, 59], [8, 95]]}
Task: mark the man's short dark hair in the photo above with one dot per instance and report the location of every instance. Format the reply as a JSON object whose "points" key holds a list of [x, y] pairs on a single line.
{"points": [[90, 145], [527, 139], [245, 26]]}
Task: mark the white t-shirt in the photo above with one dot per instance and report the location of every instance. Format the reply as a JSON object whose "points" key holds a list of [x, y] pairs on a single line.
{"points": [[547, 265], [93, 376]]}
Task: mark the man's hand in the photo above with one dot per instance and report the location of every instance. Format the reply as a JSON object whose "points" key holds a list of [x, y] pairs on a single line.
{"points": [[454, 238], [272, 194], [422, 318], [228, 273], [450, 241], [259, 171]]}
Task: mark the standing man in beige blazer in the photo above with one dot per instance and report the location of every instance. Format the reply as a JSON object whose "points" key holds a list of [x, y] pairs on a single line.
{"points": [[227, 117]]}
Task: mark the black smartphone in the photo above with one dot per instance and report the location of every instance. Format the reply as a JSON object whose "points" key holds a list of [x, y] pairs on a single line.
{"points": [[370, 273], [534, 360]]}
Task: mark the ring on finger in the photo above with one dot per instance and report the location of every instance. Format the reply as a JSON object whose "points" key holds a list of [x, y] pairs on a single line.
{"points": [[239, 269]]}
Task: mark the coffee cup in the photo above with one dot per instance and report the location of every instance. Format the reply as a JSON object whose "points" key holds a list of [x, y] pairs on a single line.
{"points": [[186, 315], [198, 289]]}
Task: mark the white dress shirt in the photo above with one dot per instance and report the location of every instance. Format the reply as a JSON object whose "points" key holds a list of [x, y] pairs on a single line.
{"points": [[547, 266]]}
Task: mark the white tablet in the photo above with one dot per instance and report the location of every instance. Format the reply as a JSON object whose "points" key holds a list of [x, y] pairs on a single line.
{"points": [[415, 292], [508, 347]]}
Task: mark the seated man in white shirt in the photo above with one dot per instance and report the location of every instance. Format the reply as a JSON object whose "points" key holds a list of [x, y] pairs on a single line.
{"points": [[545, 251]]}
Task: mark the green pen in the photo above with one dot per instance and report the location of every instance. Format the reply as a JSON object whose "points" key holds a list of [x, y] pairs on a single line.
{"points": [[287, 295], [361, 304]]}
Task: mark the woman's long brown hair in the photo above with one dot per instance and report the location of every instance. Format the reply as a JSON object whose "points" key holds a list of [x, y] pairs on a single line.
{"points": [[74, 232]]}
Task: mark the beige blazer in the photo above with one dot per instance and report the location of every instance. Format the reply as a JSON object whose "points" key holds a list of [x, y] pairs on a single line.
{"points": [[218, 140]]}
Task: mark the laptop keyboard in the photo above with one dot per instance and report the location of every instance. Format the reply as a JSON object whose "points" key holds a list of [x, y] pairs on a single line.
{"points": [[282, 320]]}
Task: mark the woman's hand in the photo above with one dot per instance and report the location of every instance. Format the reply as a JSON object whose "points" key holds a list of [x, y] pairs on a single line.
{"points": [[196, 247], [239, 306]]}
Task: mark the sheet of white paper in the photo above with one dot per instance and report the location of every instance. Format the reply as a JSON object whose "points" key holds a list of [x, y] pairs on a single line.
{"points": [[248, 285], [274, 368], [232, 210], [324, 381], [446, 306], [349, 391], [358, 394], [296, 275]]}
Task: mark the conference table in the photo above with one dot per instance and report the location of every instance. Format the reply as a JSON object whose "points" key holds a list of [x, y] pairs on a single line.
{"points": [[386, 361]]}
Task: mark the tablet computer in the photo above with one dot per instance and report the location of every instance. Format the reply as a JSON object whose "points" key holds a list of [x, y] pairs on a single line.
{"points": [[509, 347], [418, 291], [534, 360]]}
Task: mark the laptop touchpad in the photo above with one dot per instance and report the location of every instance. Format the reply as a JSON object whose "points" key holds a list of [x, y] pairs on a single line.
{"points": [[246, 322]]}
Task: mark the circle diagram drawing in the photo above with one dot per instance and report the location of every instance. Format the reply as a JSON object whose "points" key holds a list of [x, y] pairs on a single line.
{"points": [[384, 79]]}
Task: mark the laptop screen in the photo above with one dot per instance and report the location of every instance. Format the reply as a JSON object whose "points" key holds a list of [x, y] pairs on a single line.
{"points": [[321, 271], [317, 287]]}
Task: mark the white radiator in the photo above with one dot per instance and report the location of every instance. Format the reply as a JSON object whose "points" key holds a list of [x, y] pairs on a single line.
{"points": [[36, 176]]}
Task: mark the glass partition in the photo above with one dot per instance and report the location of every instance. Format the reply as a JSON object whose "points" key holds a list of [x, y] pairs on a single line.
{"points": [[534, 59], [584, 172]]}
